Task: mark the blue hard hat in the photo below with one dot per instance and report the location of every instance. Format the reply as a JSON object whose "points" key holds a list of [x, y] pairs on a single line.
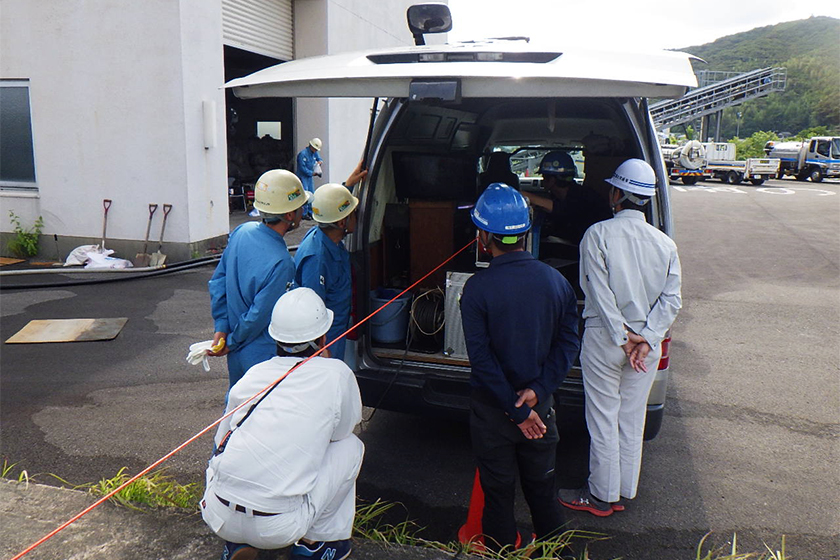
{"points": [[501, 210], [559, 164]]}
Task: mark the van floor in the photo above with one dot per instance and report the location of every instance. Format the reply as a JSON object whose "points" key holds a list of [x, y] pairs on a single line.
{"points": [[437, 358]]}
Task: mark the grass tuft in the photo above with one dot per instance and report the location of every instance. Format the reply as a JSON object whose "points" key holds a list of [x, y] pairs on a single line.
{"points": [[156, 489], [6, 472], [720, 553]]}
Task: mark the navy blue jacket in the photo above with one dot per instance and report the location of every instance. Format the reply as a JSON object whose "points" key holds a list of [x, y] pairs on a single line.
{"points": [[521, 329]]}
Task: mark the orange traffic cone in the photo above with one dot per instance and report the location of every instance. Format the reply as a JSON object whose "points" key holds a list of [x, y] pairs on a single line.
{"points": [[470, 532]]}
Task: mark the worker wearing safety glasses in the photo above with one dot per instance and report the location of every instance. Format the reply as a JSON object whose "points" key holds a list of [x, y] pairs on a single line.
{"points": [[520, 324], [630, 274], [254, 271]]}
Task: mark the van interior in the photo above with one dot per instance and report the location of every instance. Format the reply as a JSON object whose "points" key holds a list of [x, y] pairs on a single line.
{"points": [[436, 160]]}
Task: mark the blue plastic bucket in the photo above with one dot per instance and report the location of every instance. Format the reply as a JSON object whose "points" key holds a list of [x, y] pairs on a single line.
{"points": [[390, 324]]}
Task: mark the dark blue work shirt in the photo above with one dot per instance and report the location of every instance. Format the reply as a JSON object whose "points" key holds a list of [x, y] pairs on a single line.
{"points": [[521, 329]]}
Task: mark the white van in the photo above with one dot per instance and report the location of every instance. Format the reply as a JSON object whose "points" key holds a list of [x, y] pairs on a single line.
{"points": [[446, 109]]}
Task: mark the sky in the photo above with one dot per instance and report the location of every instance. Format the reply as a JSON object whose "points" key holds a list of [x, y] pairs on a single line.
{"points": [[634, 25]]}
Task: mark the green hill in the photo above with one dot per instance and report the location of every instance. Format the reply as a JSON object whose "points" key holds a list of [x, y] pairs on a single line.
{"points": [[808, 48]]}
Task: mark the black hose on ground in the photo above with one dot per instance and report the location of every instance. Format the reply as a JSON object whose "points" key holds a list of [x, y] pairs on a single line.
{"points": [[186, 265]]}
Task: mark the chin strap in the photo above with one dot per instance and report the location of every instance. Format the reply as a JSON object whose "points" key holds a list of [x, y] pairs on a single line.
{"points": [[299, 347], [637, 200]]}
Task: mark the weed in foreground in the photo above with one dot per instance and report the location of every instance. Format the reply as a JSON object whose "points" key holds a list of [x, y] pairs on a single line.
{"points": [[156, 489], [721, 553], [369, 525], [6, 472], [160, 489]]}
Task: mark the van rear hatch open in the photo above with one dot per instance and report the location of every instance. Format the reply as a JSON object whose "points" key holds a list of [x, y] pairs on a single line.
{"points": [[495, 68]]}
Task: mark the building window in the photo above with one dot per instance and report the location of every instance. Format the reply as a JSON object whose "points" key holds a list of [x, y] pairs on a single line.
{"points": [[270, 128], [17, 156]]}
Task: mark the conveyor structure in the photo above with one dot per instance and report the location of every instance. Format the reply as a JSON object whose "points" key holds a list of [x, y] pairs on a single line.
{"points": [[721, 90]]}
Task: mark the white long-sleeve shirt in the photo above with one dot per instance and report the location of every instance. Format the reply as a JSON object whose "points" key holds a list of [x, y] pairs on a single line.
{"points": [[630, 274], [277, 452]]}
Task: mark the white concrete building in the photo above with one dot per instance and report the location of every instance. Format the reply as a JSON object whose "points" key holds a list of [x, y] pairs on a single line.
{"points": [[124, 101]]}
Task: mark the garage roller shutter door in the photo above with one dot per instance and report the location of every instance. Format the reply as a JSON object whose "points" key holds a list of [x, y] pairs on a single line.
{"points": [[259, 26]]}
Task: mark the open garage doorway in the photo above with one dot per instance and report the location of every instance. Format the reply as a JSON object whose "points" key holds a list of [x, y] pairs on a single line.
{"points": [[260, 133]]}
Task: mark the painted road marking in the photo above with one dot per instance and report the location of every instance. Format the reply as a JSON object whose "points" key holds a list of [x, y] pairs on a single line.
{"points": [[765, 190]]}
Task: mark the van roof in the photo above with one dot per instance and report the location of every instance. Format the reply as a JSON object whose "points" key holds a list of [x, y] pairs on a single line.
{"points": [[490, 68]]}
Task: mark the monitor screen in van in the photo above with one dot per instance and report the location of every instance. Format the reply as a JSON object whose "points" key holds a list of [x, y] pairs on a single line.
{"points": [[422, 175]]}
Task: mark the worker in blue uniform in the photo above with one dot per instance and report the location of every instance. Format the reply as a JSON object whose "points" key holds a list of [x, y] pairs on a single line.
{"points": [[520, 324], [254, 271], [308, 163], [322, 262]]}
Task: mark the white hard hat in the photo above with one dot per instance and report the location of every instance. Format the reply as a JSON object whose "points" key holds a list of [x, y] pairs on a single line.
{"points": [[279, 191], [332, 202], [635, 176], [315, 143], [299, 316]]}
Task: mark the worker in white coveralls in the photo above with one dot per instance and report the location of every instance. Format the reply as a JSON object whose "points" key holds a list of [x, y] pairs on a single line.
{"points": [[630, 274], [285, 468]]}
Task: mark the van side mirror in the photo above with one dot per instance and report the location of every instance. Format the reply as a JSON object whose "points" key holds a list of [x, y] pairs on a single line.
{"points": [[428, 18]]}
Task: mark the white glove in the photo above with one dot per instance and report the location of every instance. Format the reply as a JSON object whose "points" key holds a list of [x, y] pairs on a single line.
{"points": [[198, 354]]}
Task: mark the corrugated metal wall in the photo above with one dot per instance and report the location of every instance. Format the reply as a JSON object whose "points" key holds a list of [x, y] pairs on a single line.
{"points": [[260, 26]]}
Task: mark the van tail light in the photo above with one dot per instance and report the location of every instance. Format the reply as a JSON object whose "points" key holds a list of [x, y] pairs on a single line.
{"points": [[665, 360], [354, 334]]}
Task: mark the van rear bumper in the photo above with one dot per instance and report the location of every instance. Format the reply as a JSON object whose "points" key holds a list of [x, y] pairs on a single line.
{"points": [[449, 398]]}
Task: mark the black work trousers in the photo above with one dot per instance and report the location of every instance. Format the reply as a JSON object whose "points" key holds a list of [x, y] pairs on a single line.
{"points": [[501, 450]]}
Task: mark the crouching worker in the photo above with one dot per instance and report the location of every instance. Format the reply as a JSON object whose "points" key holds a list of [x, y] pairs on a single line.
{"points": [[284, 471]]}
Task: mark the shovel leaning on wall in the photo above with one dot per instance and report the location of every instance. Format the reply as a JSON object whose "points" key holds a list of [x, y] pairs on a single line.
{"points": [[159, 258], [106, 204], [144, 258]]}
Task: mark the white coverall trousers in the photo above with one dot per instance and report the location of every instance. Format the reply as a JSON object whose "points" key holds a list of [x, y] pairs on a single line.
{"points": [[616, 399], [325, 514]]}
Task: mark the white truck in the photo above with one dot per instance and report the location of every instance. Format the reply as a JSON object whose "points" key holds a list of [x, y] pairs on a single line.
{"points": [[814, 159], [721, 164], [685, 162]]}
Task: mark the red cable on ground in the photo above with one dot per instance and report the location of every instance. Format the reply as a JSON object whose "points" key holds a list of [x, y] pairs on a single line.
{"points": [[157, 463]]}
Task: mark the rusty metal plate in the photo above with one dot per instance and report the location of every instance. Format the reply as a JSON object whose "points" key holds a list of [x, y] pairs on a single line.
{"points": [[68, 330]]}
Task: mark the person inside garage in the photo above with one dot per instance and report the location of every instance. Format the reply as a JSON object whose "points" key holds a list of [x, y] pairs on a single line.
{"points": [[571, 208], [254, 271], [307, 165], [630, 274], [520, 324], [285, 467], [322, 262]]}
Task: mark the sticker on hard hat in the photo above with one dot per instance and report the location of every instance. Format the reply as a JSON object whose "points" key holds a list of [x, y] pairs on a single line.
{"points": [[261, 186], [316, 211], [344, 206], [517, 226], [478, 217], [294, 194]]}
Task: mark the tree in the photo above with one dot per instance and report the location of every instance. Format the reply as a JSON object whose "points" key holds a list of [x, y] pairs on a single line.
{"points": [[752, 147], [813, 131]]}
